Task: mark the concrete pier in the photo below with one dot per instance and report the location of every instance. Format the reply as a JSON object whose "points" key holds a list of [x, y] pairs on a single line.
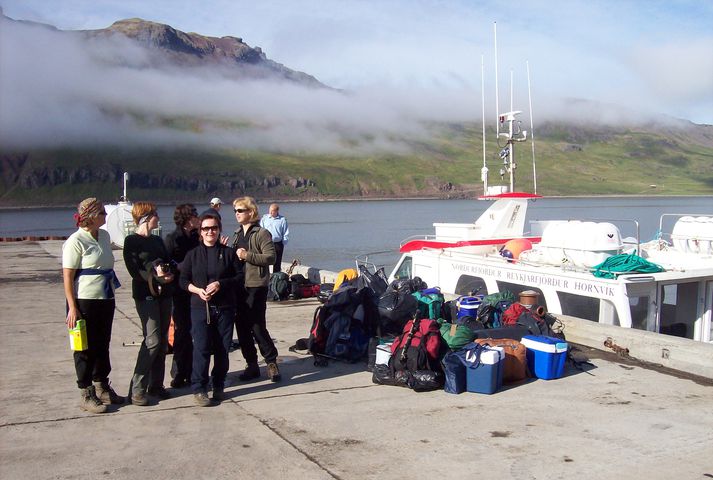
{"points": [[612, 420]]}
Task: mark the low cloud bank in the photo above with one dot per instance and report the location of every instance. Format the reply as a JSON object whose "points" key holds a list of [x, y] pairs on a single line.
{"points": [[59, 89]]}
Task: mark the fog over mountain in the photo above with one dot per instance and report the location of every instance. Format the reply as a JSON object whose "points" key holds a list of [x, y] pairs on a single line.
{"points": [[159, 86]]}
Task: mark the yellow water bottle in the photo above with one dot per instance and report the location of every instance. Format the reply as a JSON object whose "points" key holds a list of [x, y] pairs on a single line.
{"points": [[78, 336]]}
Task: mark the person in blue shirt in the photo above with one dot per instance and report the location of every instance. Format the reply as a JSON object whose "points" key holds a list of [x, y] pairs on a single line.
{"points": [[276, 224]]}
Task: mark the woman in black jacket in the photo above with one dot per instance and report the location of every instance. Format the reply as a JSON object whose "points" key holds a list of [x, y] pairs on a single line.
{"points": [[210, 274], [146, 260]]}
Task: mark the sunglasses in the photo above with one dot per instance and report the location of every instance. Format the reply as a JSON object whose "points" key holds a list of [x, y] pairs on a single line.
{"points": [[241, 210], [212, 228]]}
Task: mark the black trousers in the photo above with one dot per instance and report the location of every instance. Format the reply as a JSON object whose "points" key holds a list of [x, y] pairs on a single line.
{"points": [[182, 342], [279, 250], [252, 326], [93, 364], [210, 338]]}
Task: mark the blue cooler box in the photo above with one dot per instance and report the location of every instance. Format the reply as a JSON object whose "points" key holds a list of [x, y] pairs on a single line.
{"points": [[468, 306], [545, 355], [487, 375]]}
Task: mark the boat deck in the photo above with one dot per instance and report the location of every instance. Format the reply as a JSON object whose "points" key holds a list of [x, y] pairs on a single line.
{"points": [[615, 419]]}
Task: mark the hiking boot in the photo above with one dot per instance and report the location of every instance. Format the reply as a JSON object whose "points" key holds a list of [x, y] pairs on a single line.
{"points": [[139, 399], [159, 392], [107, 395], [202, 399], [218, 394], [251, 371], [273, 373], [89, 402], [179, 383]]}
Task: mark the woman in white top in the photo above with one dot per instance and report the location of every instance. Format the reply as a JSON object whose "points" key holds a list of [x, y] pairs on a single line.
{"points": [[89, 283]]}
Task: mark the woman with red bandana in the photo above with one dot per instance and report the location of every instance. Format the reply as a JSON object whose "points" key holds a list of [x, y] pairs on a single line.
{"points": [[89, 283]]}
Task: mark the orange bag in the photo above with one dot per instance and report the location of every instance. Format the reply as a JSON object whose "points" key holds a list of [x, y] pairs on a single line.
{"points": [[515, 357], [345, 276], [171, 328]]}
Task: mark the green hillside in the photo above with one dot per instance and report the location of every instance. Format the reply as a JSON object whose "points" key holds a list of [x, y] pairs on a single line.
{"points": [[570, 161]]}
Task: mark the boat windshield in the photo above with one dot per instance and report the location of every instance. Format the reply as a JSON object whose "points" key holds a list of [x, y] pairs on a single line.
{"points": [[404, 270]]}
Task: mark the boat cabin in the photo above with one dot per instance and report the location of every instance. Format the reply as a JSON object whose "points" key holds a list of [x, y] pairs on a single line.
{"points": [[677, 301]]}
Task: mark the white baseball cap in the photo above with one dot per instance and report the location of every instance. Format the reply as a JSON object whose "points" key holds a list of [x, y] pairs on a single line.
{"points": [[216, 201]]}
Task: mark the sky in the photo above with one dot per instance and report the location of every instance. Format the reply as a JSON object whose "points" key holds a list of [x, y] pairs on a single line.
{"points": [[400, 61]]}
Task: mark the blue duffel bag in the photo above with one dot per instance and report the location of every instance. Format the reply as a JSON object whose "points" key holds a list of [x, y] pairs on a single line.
{"points": [[454, 367]]}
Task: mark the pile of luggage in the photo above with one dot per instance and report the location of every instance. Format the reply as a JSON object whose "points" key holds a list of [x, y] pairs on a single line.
{"points": [[284, 286], [414, 338]]}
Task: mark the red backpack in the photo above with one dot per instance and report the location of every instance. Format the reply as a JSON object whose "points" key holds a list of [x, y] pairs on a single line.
{"points": [[518, 315], [421, 340]]}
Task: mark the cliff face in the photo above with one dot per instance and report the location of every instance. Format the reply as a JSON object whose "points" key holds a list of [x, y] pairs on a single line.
{"points": [[18, 172]]}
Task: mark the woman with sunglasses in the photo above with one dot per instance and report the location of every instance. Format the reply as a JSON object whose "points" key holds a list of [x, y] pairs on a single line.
{"points": [[89, 283], [256, 252], [209, 272], [148, 264]]}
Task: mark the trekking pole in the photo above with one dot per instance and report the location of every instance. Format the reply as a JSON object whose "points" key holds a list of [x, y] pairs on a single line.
{"points": [[409, 337]]}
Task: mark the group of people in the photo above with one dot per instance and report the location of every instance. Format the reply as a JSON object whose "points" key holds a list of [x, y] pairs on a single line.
{"points": [[208, 283]]}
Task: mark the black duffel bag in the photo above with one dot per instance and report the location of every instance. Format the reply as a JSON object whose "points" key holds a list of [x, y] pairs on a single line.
{"points": [[395, 309]]}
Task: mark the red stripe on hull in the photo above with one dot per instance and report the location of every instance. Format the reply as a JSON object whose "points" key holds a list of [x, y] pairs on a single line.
{"points": [[421, 244]]}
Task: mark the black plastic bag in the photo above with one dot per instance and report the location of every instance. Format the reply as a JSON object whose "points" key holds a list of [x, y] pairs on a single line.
{"points": [[425, 380], [375, 282], [408, 285], [383, 375], [395, 309]]}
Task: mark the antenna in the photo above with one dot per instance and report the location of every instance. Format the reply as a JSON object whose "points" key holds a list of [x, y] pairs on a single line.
{"points": [[497, 107], [532, 129], [484, 170], [126, 180], [512, 95]]}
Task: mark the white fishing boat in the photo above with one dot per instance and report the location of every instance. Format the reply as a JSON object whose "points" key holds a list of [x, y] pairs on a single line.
{"points": [[119, 222], [556, 260]]}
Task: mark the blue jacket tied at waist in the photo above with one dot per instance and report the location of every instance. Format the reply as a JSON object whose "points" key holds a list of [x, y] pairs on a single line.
{"points": [[109, 276]]}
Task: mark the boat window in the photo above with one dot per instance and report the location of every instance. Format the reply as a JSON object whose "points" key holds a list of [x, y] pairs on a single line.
{"points": [[588, 308], [679, 309], [579, 306], [470, 285], [516, 288], [405, 269], [639, 307]]}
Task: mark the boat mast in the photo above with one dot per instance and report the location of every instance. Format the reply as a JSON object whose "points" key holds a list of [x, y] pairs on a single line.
{"points": [[532, 129], [484, 170], [514, 133], [497, 104]]}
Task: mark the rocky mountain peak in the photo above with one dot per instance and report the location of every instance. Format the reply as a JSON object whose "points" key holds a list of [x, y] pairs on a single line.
{"points": [[192, 49]]}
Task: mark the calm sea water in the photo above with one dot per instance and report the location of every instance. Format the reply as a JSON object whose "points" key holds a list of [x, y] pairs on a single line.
{"points": [[329, 235]]}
